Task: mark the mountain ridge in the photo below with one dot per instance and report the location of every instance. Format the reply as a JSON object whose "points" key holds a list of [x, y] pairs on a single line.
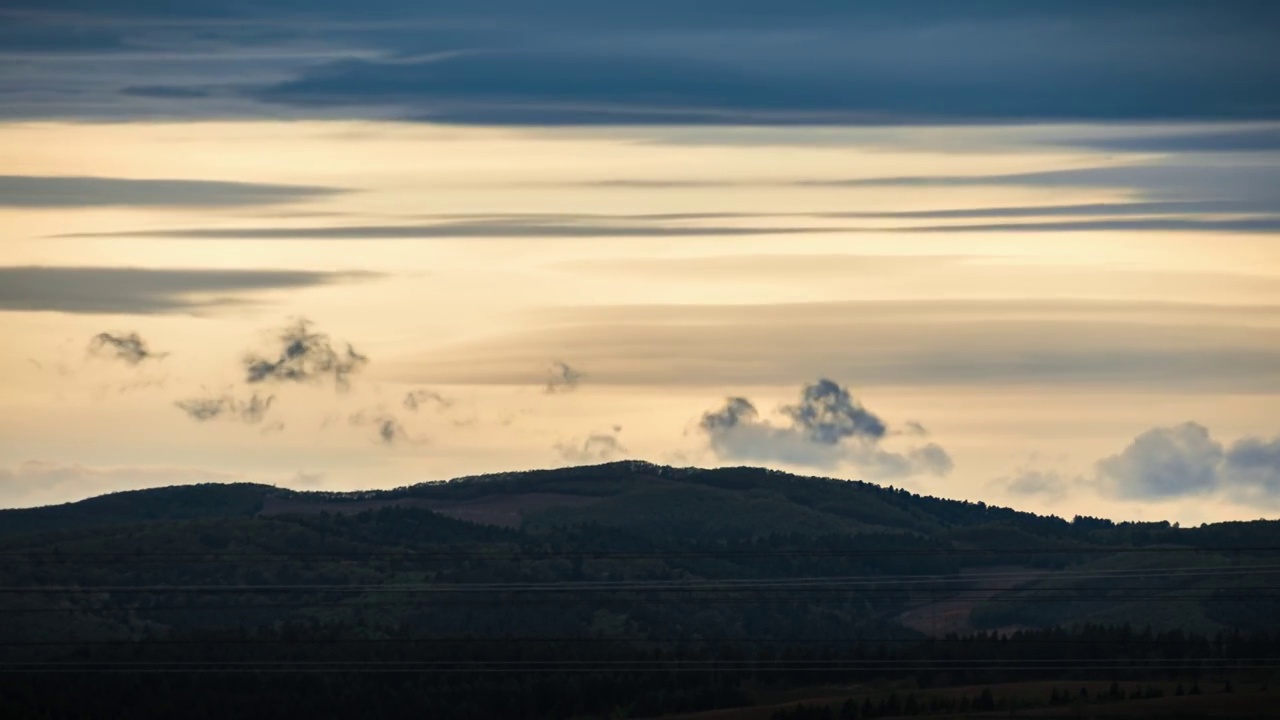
{"points": [[606, 575], [180, 496]]}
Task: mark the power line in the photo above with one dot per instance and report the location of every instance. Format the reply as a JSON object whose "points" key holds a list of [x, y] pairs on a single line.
{"points": [[360, 668], [594, 602], [958, 662], [128, 556], [631, 585], [1001, 641], [941, 593]]}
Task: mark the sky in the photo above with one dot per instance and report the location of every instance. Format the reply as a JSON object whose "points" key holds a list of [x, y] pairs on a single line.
{"points": [[1020, 253]]}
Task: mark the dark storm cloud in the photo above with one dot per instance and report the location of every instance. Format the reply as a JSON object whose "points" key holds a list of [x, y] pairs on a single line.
{"points": [[250, 411], [305, 356], [128, 347], [562, 378], [1185, 460], [827, 428], [746, 62], [71, 192], [108, 290]]}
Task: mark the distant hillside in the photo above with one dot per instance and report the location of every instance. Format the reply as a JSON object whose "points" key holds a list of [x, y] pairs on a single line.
{"points": [[641, 505], [619, 563], [748, 502]]}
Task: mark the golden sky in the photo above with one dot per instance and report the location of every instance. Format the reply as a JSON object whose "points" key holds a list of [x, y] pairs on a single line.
{"points": [[1048, 316]]}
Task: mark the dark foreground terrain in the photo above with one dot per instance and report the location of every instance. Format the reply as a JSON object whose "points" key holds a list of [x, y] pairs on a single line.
{"points": [[626, 590]]}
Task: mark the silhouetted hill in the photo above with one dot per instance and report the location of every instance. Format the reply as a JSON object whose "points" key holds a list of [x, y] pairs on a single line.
{"points": [[184, 502], [619, 563]]}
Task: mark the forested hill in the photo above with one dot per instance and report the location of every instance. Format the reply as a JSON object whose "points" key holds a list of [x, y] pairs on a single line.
{"points": [[595, 590], [732, 503]]}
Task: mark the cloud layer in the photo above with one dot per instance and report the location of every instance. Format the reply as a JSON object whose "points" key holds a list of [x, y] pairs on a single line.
{"points": [[1136, 345], [151, 291], [30, 191], [665, 62]]}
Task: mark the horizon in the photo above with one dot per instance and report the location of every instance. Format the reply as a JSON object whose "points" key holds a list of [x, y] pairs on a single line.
{"points": [[611, 463]]}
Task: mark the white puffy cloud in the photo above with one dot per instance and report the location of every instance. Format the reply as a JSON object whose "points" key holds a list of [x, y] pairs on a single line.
{"points": [[827, 428]]}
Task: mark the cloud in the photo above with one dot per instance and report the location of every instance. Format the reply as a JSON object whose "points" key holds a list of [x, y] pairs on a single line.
{"points": [[304, 357], [39, 482], [1153, 181], [1047, 483], [533, 228], [1165, 462], [1254, 463], [1186, 194], [911, 427], [250, 411], [138, 291], [595, 448], [1184, 460], [129, 347], [1183, 196], [1263, 225], [306, 479], [562, 378], [168, 92], [414, 399], [827, 428], [852, 63], [1231, 140], [1134, 345], [972, 276], [29, 191], [388, 427], [1169, 207], [566, 62], [829, 414]]}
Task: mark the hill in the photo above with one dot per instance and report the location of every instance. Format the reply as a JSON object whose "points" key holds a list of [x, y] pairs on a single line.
{"points": [[603, 579]]}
